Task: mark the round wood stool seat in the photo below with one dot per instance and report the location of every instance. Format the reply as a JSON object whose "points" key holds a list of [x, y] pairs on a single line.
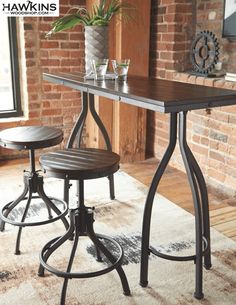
{"points": [[80, 164], [30, 137]]}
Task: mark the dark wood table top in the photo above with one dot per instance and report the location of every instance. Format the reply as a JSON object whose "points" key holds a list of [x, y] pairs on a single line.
{"points": [[154, 94]]}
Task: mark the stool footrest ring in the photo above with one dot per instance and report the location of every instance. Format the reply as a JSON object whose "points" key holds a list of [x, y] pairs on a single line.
{"points": [[38, 223], [71, 275], [178, 258]]}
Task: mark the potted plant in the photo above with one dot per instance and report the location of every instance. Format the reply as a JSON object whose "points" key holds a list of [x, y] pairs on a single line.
{"points": [[95, 23]]}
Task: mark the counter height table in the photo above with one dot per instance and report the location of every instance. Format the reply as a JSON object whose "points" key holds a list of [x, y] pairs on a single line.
{"points": [[163, 96]]}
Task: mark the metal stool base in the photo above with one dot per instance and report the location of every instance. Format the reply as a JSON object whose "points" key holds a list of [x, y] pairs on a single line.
{"points": [[81, 224], [32, 224], [33, 183]]}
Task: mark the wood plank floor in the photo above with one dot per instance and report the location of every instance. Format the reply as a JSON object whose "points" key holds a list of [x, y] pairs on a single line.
{"points": [[174, 186]]}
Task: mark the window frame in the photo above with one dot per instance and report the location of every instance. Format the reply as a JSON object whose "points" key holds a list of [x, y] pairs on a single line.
{"points": [[15, 75]]}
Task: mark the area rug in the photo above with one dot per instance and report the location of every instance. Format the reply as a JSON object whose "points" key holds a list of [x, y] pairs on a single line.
{"points": [[170, 283]]}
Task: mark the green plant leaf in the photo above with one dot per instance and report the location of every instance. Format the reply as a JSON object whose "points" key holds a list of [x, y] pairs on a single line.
{"points": [[100, 15]]}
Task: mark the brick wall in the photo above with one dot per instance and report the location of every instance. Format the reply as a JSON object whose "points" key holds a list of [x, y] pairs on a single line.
{"points": [[48, 104], [172, 28], [210, 16], [174, 23], [211, 137]]}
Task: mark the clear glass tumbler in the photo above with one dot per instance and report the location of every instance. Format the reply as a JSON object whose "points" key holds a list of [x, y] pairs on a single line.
{"points": [[121, 68], [99, 67]]}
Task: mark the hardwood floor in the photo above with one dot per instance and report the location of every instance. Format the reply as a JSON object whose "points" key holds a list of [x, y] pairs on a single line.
{"points": [[174, 186]]}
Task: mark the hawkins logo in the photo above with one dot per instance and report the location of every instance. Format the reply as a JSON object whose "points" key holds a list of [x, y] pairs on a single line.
{"points": [[29, 8]]}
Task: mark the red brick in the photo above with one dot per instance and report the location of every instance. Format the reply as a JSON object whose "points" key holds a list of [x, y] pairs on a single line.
{"points": [[45, 27], [175, 28], [77, 36], [47, 112], [202, 150], [58, 53], [77, 54], [32, 88], [34, 106], [179, 8], [218, 175], [47, 87], [70, 45], [50, 62], [44, 53], [30, 63], [34, 114], [69, 62], [217, 156], [58, 121], [173, 18], [49, 44], [46, 104], [165, 55], [52, 95]]}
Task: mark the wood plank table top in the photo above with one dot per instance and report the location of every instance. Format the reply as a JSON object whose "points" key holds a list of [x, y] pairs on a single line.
{"points": [[154, 94]]}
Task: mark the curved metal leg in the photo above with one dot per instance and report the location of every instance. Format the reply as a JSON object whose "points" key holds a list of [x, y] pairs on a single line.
{"points": [[12, 205], [150, 197], [205, 208], [71, 259], [80, 122], [80, 132], [77, 132], [196, 199], [108, 254], [106, 139], [17, 250], [58, 242], [50, 204], [99, 122]]}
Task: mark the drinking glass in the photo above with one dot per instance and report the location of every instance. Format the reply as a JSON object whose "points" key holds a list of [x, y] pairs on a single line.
{"points": [[99, 67], [121, 68]]}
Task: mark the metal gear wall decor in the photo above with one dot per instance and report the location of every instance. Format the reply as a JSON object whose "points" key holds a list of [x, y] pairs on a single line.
{"points": [[204, 53]]}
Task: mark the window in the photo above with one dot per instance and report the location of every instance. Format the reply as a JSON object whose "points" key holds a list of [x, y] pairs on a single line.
{"points": [[10, 103]]}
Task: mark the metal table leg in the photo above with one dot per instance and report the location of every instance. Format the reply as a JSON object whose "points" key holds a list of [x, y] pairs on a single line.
{"points": [[106, 139], [77, 133], [150, 197], [200, 200], [88, 99], [78, 127]]}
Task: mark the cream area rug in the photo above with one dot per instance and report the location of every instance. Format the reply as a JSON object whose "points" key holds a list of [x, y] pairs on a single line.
{"points": [[170, 283]]}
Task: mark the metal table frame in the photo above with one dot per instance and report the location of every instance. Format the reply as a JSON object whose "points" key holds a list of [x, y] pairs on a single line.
{"points": [[200, 200], [178, 118]]}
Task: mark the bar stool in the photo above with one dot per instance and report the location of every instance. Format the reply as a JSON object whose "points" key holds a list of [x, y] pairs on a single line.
{"points": [[80, 165], [31, 138]]}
